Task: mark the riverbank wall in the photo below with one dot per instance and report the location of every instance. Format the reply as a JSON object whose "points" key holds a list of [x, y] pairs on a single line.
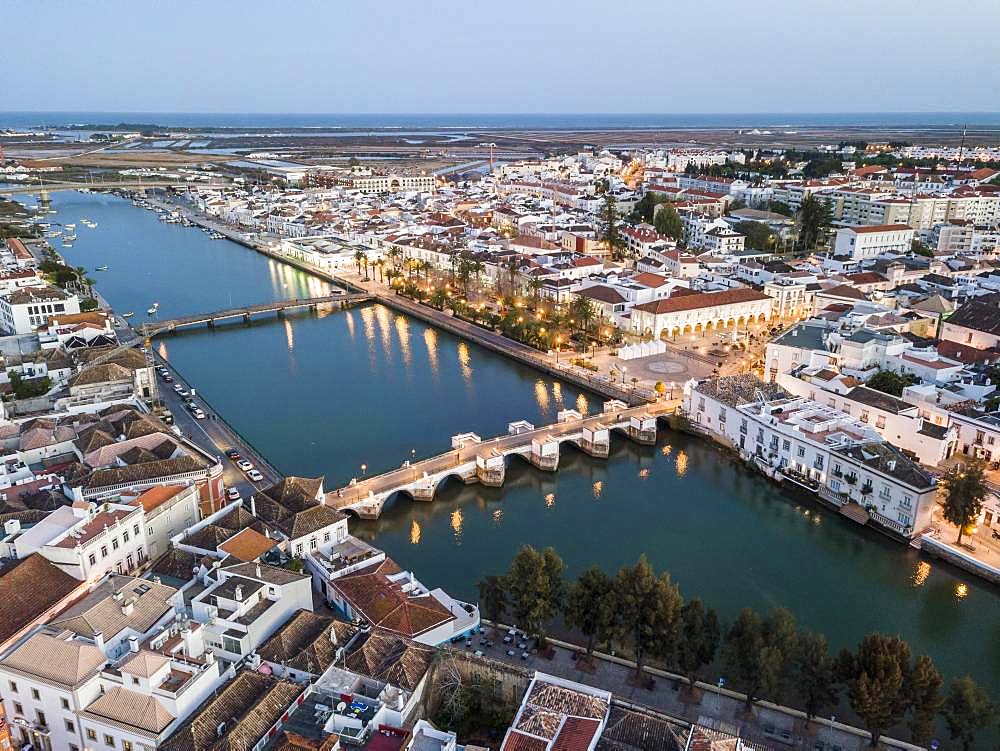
{"points": [[956, 557]]}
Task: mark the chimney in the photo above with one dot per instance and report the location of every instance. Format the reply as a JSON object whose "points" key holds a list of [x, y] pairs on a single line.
{"points": [[157, 580], [253, 505], [133, 644], [128, 607], [258, 570], [239, 593]]}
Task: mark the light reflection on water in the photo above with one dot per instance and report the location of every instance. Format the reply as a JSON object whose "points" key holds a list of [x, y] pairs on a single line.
{"points": [[920, 573], [542, 396], [289, 335], [682, 463], [415, 532], [465, 362], [403, 334], [430, 341], [456, 524]]}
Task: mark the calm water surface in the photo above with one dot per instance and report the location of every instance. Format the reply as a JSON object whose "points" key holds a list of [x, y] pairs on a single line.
{"points": [[325, 394]]}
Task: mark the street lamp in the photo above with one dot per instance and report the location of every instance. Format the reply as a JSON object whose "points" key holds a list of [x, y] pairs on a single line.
{"points": [[558, 343], [364, 468]]}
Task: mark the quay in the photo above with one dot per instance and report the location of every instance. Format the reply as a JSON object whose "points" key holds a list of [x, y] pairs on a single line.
{"points": [[473, 459], [153, 328]]}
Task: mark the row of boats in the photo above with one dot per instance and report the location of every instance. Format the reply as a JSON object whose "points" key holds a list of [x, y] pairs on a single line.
{"points": [[173, 217]]}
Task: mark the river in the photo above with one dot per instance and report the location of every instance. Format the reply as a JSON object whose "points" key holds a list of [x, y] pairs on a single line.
{"points": [[326, 394]]}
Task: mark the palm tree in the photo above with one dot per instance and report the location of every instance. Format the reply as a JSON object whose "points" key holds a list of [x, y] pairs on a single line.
{"points": [[381, 266], [395, 254], [536, 284], [360, 257]]}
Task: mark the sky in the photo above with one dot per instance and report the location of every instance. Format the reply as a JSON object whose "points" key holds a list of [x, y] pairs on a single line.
{"points": [[515, 56]]}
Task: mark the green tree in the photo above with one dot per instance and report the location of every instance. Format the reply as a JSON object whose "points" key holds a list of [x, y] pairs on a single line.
{"points": [[534, 586], [890, 382], [925, 699], [967, 710], [699, 638], [814, 217], [360, 257], [646, 207], [758, 235], [757, 650], [590, 606], [610, 230], [668, 222], [877, 678], [583, 312], [28, 388], [815, 677], [964, 493], [492, 598], [648, 610]]}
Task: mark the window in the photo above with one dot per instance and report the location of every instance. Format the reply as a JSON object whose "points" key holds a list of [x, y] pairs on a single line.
{"points": [[786, 445], [70, 727], [801, 451], [92, 559], [65, 702], [885, 493], [104, 551], [231, 645], [298, 549], [114, 544], [109, 740], [326, 537], [34, 694], [91, 734], [135, 528], [126, 745], [18, 709], [312, 543], [13, 686], [125, 536], [40, 716], [880, 422], [864, 415], [73, 747]]}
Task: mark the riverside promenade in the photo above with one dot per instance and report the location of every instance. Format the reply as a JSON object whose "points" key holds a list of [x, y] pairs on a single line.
{"points": [[459, 327]]}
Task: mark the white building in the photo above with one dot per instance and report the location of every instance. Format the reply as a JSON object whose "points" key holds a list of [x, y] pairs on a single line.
{"points": [[818, 447], [701, 312], [28, 308], [169, 510], [872, 241], [246, 604]]}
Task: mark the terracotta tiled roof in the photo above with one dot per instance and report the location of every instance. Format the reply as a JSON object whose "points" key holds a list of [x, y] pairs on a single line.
{"points": [[307, 642], [390, 658], [65, 661], [153, 498], [101, 613], [28, 590], [247, 545], [126, 707], [383, 603], [247, 706], [678, 303]]}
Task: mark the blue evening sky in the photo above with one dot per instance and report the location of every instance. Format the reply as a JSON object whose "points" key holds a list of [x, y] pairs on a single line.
{"points": [[515, 56]]}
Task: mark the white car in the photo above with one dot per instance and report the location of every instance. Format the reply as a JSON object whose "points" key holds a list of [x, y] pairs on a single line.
{"points": [[178, 388], [199, 414], [255, 476], [232, 494], [244, 465]]}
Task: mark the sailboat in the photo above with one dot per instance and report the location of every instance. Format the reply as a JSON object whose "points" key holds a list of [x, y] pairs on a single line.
{"points": [[152, 311], [102, 268]]}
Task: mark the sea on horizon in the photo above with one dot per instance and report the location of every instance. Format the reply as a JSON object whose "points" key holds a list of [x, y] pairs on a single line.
{"points": [[483, 121]]}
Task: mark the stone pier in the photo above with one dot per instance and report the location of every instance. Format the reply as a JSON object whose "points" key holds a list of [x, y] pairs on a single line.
{"points": [[596, 441], [545, 453], [642, 429], [491, 470]]}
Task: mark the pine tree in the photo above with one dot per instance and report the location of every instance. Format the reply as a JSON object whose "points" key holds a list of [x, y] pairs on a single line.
{"points": [[967, 710], [965, 491]]}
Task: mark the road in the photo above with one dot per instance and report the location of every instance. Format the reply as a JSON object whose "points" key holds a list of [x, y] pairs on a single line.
{"points": [[214, 435]]}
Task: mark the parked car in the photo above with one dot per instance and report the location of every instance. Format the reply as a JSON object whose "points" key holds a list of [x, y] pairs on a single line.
{"points": [[198, 413], [255, 476], [233, 454], [232, 494], [244, 465]]}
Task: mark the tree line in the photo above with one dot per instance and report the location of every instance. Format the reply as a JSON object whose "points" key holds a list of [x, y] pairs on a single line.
{"points": [[766, 655]]}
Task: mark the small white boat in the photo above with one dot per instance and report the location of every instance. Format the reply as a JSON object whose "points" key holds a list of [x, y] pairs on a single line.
{"points": [[102, 268], [151, 312], [128, 315], [69, 238]]}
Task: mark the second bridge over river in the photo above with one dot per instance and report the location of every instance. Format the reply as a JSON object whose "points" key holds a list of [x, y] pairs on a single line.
{"points": [[473, 459]]}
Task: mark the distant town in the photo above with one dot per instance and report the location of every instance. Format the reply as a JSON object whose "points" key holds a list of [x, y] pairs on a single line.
{"points": [[826, 315]]}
